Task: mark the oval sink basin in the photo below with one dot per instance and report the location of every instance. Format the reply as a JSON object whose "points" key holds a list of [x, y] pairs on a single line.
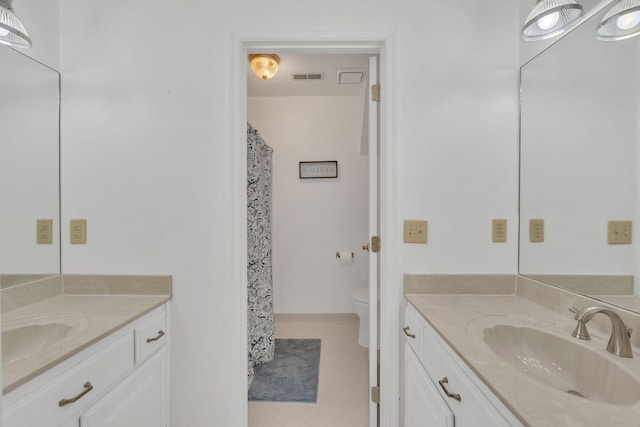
{"points": [[565, 364], [25, 337], [25, 341]]}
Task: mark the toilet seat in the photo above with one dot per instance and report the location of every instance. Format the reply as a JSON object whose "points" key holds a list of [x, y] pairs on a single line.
{"points": [[361, 296]]}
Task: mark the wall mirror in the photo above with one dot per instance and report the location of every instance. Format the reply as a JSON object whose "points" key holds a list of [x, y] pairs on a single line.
{"points": [[29, 167], [579, 132]]}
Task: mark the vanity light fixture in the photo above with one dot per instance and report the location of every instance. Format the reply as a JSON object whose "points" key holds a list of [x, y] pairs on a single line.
{"points": [[549, 18], [265, 66], [621, 22], [12, 31]]}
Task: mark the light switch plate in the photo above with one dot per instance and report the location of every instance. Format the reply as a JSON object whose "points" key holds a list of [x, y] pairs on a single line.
{"points": [[499, 230], [415, 231], [78, 231], [536, 230], [44, 231], [619, 232]]}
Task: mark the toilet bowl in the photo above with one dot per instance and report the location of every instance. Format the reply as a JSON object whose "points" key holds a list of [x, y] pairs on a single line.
{"points": [[360, 300]]}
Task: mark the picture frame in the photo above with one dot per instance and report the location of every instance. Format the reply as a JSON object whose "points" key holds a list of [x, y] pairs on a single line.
{"points": [[318, 169]]}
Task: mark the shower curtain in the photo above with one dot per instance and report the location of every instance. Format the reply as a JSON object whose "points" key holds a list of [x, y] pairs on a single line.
{"points": [[260, 287]]}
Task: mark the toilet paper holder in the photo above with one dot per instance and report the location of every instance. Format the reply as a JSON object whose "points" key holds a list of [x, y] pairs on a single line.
{"points": [[338, 255]]}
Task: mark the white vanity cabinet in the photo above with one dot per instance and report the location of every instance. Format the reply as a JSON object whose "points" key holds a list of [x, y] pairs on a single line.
{"points": [[438, 385], [122, 380]]}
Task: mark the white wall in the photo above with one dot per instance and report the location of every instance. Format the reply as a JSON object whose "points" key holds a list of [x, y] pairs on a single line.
{"points": [[458, 135], [146, 148], [312, 219]]}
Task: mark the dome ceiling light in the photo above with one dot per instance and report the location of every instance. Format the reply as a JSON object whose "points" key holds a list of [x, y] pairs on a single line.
{"points": [[12, 31], [265, 66], [621, 22], [549, 18]]}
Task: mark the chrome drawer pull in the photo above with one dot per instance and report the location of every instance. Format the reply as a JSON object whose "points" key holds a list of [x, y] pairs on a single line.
{"points": [[407, 333], [160, 335], [87, 388], [455, 396]]}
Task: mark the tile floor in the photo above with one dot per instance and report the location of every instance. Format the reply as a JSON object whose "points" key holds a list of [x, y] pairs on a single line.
{"points": [[342, 386]]}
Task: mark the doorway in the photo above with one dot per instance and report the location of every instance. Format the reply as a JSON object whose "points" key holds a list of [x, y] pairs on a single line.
{"points": [[313, 111], [390, 291]]}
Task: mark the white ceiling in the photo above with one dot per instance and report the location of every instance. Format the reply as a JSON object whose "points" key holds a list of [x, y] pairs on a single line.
{"points": [[283, 85]]}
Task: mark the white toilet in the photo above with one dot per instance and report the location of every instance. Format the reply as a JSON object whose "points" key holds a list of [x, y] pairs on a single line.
{"points": [[360, 299]]}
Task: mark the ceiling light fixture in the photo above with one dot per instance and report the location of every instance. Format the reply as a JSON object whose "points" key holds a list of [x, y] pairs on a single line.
{"points": [[549, 18], [621, 22], [265, 66], [12, 31]]}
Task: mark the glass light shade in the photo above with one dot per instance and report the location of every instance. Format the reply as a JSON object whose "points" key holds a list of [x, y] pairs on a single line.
{"points": [[549, 21], [621, 22], [265, 66], [549, 18], [12, 31]]}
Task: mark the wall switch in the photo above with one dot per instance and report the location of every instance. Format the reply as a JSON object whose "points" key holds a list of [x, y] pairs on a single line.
{"points": [[78, 231], [44, 231], [536, 230], [415, 231], [499, 230], [619, 232]]}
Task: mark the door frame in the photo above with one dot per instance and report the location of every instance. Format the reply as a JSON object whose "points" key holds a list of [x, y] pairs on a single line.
{"points": [[391, 288]]}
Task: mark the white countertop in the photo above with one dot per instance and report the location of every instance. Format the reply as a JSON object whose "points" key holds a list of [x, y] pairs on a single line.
{"points": [[534, 403], [97, 316]]}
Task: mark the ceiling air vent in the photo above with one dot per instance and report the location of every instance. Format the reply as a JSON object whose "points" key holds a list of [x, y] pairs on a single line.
{"points": [[350, 76], [310, 76]]}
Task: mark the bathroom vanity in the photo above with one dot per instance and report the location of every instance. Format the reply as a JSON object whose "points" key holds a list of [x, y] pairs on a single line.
{"points": [[510, 360], [105, 362], [439, 387]]}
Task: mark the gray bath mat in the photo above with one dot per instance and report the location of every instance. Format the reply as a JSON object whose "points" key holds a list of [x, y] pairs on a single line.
{"points": [[292, 376]]}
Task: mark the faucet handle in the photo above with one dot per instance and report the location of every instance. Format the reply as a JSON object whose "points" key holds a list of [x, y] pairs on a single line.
{"points": [[581, 331], [629, 331], [573, 309]]}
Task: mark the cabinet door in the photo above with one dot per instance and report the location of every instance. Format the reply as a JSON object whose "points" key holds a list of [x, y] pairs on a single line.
{"points": [[423, 405], [139, 401]]}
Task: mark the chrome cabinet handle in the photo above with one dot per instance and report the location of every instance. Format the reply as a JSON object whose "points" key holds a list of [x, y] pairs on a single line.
{"points": [[87, 388], [407, 333], [455, 396], [160, 335]]}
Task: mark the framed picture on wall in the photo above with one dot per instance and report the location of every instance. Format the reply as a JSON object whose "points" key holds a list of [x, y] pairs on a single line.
{"points": [[323, 169]]}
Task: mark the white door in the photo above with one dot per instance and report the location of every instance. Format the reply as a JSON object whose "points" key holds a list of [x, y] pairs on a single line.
{"points": [[373, 108]]}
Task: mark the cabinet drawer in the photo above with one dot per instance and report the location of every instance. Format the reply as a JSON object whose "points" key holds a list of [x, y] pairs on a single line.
{"points": [[150, 336], [473, 408], [412, 330], [94, 376]]}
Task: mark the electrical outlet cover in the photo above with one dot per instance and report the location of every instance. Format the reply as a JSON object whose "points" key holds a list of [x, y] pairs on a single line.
{"points": [[499, 230], [536, 230], [415, 231], [78, 231], [619, 232], [44, 231]]}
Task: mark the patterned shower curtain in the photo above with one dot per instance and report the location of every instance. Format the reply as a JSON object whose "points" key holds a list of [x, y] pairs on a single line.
{"points": [[260, 287]]}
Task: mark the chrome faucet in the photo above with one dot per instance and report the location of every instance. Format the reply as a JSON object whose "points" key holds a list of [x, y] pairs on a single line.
{"points": [[619, 343]]}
